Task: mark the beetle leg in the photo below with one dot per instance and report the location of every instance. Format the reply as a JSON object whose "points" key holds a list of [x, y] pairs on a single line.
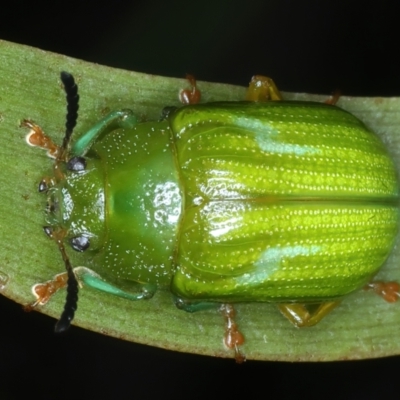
{"points": [[390, 291], [85, 276], [190, 96], [115, 120], [37, 138], [93, 280], [193, 306], [300, 316], [334, 98], [233, 337], [44, 291], [262, 88]]}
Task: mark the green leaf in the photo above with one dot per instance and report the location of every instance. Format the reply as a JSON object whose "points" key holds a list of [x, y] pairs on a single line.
{"points": [[363, 326]]}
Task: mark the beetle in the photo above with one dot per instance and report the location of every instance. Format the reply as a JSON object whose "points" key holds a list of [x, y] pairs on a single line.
{"points": [[289, 202]]}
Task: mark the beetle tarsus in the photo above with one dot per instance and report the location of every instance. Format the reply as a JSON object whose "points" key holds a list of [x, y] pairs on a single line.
{"points": [[44, 291], [261, 89], [334, 98], [233, 337], [389, 291], [190, 96], [37, 138]]}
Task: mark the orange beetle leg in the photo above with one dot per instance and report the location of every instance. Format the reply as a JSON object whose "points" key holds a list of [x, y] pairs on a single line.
{"points": [[37, 138], [262, 88], [190, 96], [390, 291], [233, 337]]}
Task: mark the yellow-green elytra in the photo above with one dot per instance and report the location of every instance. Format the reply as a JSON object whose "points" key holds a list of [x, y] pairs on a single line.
{"points": [[293, 203]]}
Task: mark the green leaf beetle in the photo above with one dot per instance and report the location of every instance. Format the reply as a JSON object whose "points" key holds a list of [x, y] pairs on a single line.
{"points": [[288, 202]]}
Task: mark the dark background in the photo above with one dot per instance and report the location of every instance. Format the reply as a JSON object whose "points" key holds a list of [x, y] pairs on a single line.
{"points": [[310, 46]]}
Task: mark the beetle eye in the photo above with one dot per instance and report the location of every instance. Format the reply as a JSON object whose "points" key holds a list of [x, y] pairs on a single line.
{"points": [[80, 243], [76, 164]]}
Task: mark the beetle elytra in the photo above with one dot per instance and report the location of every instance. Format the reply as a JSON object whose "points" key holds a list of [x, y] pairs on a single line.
{"points": [[294, 203]]}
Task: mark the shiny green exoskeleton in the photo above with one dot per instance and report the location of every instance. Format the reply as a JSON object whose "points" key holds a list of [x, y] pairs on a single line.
{"points": [[293, 203]]}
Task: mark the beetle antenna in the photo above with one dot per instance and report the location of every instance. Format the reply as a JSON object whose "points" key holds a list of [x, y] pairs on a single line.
{"points": [[71, 301], [71, 90]]}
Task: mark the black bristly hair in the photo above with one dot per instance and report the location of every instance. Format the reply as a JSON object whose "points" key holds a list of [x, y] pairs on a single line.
{"points": [[71, 90]]}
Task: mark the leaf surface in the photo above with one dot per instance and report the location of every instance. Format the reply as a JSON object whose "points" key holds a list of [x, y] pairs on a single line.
{"points": [[363, 326]]}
